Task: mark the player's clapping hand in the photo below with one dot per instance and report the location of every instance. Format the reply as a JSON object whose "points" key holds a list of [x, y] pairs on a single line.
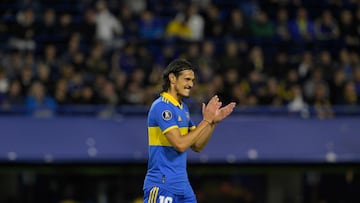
{"points": [[210, 110], [224, 112]]}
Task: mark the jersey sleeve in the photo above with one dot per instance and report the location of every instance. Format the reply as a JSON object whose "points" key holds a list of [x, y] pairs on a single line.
{"points": [[192, 125], [164, 117]]}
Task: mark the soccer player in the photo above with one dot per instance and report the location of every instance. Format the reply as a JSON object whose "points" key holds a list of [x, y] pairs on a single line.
{"points": [[171, 132]]}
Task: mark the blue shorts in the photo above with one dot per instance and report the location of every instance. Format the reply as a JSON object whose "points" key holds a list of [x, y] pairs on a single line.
{"points": [[160, 195]]}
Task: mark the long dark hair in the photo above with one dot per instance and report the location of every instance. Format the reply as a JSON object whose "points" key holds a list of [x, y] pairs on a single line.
{"points": [[175, 67]]}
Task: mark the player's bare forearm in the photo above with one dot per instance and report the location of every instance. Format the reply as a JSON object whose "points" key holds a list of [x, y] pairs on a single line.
{"points": [[204, 138], [182, 142], [198, 138]]}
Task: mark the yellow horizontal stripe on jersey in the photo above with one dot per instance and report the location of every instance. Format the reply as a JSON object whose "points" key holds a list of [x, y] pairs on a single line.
{"points": [[169, 128], [157, 138]]}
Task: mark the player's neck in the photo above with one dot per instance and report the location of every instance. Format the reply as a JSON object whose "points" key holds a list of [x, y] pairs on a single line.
{"points": [[176, 96]]}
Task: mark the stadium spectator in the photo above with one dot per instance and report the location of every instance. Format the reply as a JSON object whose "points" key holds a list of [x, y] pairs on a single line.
{"points": [[79, 63], [71, 49], [178, 28], [66, 26], [48, 26], [61, 92], [208, 62], [279, 66], [75, 85], [26, 79], [14, 96], [282, 25], [87, 28], [345, 63], [321, 102], [150, 28], [326, 64], [214, 26], [120, 82], [325, 27], [297, 103], [229, 59], [261, 26], [348, 32], [239, 95], [356, 79], [50, 59], [96, 63], [256, 61], [168, 53], [196, 23], [4, 84], [336, 86], [126, 59], [231, 78], [38, 103], [130, 19], [302, 27], [24, 30], [42, 75], [310, 86], [192, 53], [135, 94], [108, 27], [256, 86], [214, 86], [272, 95], [286, 84], [202, 4], [305, 66], [12, 64], [145, 59], [237, 26], [108, 95], [350, 96], [136, 6]]}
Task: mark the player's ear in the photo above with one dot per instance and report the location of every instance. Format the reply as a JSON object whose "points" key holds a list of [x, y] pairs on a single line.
{"points": [[172, 78]]}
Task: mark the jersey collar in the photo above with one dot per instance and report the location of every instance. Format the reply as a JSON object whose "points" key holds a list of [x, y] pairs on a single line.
{"points": [[171, 99]]}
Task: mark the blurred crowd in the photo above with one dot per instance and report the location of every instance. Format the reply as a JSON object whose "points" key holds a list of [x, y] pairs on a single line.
{"points": [[294, 53]]}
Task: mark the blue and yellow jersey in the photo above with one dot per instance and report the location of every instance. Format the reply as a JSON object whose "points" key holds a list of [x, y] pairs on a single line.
{"points": [[166, 166]]}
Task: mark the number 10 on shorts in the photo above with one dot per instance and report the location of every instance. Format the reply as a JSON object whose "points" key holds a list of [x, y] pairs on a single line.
{"points": [[164, 199]]}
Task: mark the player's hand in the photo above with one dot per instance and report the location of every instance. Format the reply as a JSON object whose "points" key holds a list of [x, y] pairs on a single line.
{"points": [[210, 110], [224, 112]]}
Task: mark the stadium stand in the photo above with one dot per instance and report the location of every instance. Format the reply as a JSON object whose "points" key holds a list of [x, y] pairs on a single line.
{"points": [[84, 68]]}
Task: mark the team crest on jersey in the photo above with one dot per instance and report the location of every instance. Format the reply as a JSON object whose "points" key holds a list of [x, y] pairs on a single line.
{"points": [[166, 115]]}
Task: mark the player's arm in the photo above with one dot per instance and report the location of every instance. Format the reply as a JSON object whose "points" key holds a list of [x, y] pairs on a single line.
{"points": [[200, 143], [221, 114], [182, 143]]}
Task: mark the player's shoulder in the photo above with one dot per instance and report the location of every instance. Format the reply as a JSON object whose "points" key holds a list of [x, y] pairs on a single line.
{"points": [[160, 104]]}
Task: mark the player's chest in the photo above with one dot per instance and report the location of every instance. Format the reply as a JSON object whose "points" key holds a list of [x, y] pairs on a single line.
{"points": [[182, 118]]}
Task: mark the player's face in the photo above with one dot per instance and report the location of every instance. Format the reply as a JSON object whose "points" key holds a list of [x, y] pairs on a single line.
{"points": [[184, 83]]}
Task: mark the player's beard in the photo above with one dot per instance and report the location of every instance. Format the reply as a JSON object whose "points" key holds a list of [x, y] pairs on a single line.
{"points": [[180, 94]]}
